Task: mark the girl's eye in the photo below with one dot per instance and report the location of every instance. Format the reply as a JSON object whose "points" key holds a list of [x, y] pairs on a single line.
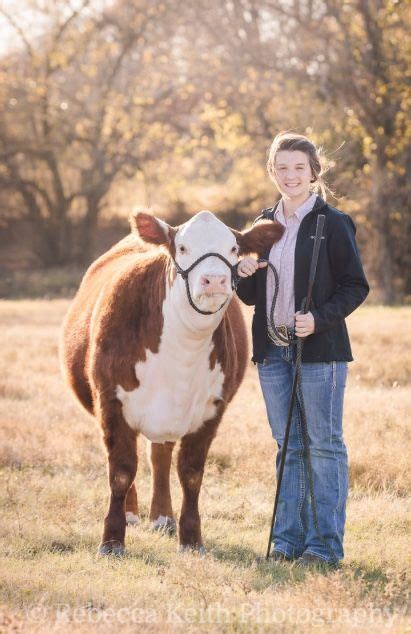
{"points": [[182, 248]]}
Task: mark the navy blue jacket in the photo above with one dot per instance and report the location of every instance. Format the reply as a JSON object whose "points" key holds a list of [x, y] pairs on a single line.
{"points": [[340, 287]]}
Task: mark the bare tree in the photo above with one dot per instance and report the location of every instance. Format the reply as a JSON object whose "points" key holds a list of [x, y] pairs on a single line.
{"points": [[76, 117], [189, 95]]}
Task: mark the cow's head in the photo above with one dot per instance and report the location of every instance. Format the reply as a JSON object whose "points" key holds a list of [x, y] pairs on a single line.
{"points": [[210, 279]]}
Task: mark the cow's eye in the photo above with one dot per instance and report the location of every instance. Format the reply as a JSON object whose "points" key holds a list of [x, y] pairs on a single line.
{"points": [[234, 249], [182, 249]]}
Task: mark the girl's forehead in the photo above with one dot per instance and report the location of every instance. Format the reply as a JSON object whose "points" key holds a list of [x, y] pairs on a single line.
{"points": [[291, 157]]}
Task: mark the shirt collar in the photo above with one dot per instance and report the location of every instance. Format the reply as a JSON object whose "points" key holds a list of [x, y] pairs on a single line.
{"points": [[301, 211]]}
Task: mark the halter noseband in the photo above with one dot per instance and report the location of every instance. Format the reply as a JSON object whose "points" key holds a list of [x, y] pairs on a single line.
{"points": [[184, 274]]}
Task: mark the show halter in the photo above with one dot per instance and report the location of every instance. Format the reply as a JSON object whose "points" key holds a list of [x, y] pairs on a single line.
{"points": [[185, 272]]}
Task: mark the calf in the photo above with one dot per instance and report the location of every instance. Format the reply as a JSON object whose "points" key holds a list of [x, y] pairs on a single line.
{"points": [[154, 343]]}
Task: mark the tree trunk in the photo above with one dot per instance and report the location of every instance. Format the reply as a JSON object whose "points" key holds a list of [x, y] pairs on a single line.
{"points": [[382, 256], [88, 229]]}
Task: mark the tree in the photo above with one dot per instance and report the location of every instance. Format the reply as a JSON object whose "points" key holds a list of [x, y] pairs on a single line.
{"points": [[73, 123], [338, 71], [175, 104], [355, 54]]}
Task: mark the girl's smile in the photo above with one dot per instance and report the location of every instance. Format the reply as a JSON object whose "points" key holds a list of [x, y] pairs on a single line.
{"points": [[293, 174]]}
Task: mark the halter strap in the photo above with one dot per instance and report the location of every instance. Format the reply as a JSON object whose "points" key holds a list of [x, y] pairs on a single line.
{"points": [[184, 274]]}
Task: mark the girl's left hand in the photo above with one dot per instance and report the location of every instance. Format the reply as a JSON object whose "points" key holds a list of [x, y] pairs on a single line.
{"points": [[304, 324]]}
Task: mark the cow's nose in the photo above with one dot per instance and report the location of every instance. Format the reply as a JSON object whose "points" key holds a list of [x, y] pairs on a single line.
{"points": [[214, 283]]}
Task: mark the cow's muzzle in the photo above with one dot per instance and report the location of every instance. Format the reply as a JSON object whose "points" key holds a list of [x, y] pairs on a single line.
{"points": [[185, 272]]}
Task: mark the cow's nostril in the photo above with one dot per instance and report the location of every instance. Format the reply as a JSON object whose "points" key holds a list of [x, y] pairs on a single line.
{"points": [[214, 283]]}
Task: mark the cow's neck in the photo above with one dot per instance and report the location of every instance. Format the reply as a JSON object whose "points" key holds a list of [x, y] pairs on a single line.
{"points": [[183, 325]]}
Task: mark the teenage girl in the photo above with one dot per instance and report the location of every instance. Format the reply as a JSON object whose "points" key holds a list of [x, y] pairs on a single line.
{"points": [[340, 287]]}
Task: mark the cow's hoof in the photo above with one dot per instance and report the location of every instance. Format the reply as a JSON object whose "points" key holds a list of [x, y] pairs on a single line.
{"points": [[132, 519], [112, 547], [188, 548], [164, 524]]}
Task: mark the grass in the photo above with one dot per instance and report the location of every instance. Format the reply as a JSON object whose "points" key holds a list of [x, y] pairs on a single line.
{"points": [[54, 496]]}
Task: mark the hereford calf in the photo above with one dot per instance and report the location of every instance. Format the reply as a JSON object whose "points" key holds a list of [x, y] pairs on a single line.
{"points": [[141, 358]]}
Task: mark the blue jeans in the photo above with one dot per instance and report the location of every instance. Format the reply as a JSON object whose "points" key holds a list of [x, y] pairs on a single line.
{"points": [[323, 393]]}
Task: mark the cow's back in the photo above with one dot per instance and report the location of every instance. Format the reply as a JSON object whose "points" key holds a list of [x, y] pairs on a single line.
{"points": [[95, 300]]}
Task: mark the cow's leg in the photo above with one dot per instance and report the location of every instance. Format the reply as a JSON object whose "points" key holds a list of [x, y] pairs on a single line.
{"points": [[191, 460], [121, 443], [161, 511], [132, 515]]}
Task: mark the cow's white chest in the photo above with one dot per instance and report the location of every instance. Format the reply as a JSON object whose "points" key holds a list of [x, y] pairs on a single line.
{"points": [[177, 389]]}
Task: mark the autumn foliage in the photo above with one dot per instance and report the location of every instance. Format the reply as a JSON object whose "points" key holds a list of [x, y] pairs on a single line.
{"points": [[105, 105]]}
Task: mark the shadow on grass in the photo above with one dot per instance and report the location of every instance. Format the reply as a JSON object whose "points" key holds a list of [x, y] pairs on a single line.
{"points": [[236, 554], [267, 572], [134, 551], [148, 556], [367, 573]]}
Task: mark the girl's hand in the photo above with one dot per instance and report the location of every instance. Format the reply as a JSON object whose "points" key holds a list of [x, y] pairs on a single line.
{"points": [[304, 324], [248, 266]]}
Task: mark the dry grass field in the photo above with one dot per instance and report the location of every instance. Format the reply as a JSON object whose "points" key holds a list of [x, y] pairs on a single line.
{"points": [[54, 495]]}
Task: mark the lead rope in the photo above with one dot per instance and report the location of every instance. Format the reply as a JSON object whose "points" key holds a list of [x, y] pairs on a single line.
{"points": [[297, 393], [273, 303]]}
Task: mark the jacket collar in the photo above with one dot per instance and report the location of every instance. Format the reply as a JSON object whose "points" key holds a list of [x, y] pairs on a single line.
{"points": [[319, 205]]}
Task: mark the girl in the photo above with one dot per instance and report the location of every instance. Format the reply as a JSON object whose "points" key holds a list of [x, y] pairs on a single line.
{"points": [[340, 287]]}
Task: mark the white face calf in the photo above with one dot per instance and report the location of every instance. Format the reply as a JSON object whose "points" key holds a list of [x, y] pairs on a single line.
{"points": [[210, 279], [186, 387]]}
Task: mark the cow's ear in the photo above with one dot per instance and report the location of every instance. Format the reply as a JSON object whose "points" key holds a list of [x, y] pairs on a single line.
{"points": [[151, 229], [259, 238]]}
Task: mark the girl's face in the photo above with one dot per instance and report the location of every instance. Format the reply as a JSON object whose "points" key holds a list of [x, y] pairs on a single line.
{"points": [[293, 173]]}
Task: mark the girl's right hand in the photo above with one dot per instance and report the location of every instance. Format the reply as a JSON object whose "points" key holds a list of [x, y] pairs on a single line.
{"points": [[248, 266]]}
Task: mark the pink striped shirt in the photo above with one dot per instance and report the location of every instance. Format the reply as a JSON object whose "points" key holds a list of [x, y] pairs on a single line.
{"points": [[282, 257]]}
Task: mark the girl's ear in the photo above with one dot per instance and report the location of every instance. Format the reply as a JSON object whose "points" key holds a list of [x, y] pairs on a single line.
{"points": [[152, 229], [259, 238]]}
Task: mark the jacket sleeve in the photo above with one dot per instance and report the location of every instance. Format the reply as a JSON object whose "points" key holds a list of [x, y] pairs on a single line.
{"points": [[247, 289], [351, 284]]}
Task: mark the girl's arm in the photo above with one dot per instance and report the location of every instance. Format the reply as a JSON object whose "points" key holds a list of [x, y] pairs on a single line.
{"points": [[351, 284], [247, 285], [247, 290]]}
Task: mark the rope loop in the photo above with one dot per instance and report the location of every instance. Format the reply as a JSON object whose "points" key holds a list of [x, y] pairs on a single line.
{"points": [[185, 272]]}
